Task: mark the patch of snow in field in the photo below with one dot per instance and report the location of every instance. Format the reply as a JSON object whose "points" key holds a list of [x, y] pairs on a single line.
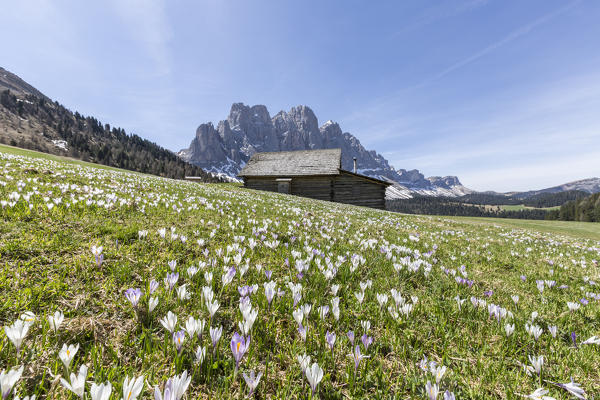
{"points": [[61, 144]]}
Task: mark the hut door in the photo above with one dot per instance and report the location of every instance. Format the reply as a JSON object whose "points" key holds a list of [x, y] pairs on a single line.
{"points": [[283, 185]]}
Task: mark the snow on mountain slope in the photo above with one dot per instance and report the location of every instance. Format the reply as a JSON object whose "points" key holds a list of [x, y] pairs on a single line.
{"points": [[590, 185], [226, 148]]}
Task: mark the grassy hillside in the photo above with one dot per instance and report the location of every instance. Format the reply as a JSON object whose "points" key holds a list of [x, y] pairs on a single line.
{"points": [[428, 298], [571, 229], [519, 207]]}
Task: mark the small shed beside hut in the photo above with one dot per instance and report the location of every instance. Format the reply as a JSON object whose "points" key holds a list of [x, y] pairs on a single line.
{"points": [[317, 174]]}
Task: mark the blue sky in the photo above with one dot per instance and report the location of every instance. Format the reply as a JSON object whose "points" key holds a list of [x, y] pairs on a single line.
{"points": [[504, 94]]}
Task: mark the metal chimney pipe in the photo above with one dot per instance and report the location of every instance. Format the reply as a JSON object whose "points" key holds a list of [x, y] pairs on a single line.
{"points": [[354, 164]]}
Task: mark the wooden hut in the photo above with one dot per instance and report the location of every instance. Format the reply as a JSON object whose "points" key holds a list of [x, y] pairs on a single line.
{"points": [[317, 174]]}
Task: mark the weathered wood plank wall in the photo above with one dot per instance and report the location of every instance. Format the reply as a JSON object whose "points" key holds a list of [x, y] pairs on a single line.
{"points": [[343, 188], [350, 189]]}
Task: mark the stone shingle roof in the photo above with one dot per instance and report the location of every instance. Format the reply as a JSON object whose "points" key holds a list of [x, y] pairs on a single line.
{"points": [[294, 163]]}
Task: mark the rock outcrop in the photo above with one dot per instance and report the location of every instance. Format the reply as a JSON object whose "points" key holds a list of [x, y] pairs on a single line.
{"points": [[224, 150]]}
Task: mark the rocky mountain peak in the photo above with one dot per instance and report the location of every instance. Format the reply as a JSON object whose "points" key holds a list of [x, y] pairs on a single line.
{"points": [[12, 82], [445, 181], [250, 129]]}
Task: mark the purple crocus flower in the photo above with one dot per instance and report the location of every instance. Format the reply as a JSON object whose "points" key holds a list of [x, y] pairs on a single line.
{"points": [[357, 356], [228, 277], [523, 278], [302, 330], [252, 381], [366, 340], [574, 338], [287, 262], [269, 291], [488, 293], [172, 279], [268, 273], [584, 301], [178, 339], [239, 346], [297, 298], [153, 286], [300, 275], [133, 295], [174, 388], [330, 338], [243, 290], [350, 335]]}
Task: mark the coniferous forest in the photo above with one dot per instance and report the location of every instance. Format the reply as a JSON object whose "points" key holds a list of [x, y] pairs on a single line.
{"points": [[37, 123], [574, 205], [586, 209], [455, 207]]}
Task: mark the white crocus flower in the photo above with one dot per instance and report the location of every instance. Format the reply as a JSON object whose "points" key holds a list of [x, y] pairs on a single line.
{"points": [[152, 303], [101, 392], [335, 308], [8, 380], [212, 308], [539, 394], [509, 328], [534, 331], [183, 293], [360, 296], [169, 322], [537, 363], [56, 320], [573, 388], [298, 316], [192, 326], [200, 354], [366, 325], [28, 316], [592, 340], [382, 299], [77, 384], [304, 361], [174, 388], [67, 353], [314, 375], [17, 331], [334, 289], [306, 309], [132, 388]]}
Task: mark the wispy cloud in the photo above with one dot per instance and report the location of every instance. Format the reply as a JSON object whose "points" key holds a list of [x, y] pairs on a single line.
{"points": [[440, 12], [404, 94], [517, 33]]}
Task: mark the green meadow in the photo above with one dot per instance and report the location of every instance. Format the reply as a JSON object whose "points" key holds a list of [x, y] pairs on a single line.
{"points": [[322, 300]]}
